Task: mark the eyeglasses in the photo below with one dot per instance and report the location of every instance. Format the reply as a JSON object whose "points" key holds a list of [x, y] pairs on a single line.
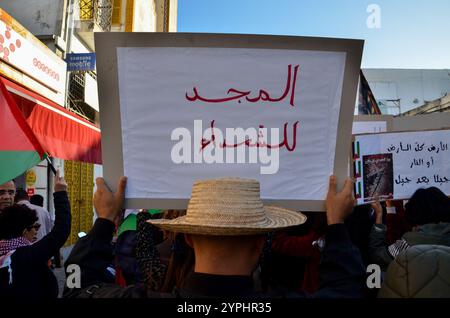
{"points": [[35, 226]]}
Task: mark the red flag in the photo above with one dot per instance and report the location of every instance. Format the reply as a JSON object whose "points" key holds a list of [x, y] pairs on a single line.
{"points": [[19, 148]]}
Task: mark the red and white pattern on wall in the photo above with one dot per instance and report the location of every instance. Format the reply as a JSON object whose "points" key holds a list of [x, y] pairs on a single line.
{"points": [[5, 49], [30, 59]]}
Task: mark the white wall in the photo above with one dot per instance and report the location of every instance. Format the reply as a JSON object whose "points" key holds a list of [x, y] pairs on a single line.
{"points": [[59, 165], [41, 185], [173, 16], [144, 19], [98, 172], [412, 87], [40, 17], [91, 92], [77, 46]]}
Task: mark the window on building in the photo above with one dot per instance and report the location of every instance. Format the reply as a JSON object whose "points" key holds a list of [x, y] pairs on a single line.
{"points": [[75, 99]]}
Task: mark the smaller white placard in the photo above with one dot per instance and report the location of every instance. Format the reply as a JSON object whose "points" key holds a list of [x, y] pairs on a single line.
{"points": [[395, 165]]}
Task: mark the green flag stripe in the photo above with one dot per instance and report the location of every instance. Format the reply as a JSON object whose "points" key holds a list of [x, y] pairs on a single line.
{"points": [[14, 163]]}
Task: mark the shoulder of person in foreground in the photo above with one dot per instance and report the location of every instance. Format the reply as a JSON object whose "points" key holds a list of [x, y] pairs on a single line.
{"points": [[418, 272], [105, 290]]}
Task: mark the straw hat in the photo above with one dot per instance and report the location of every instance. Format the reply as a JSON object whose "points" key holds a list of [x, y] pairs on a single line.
{"points": [[229, 206]]}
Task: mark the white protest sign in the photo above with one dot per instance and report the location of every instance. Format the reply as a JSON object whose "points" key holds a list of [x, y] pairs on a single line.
{"points": [[394, 165], [188, 113]]}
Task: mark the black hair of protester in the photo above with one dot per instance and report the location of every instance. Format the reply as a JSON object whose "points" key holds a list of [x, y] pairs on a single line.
{"points": [[426, 206], [14, 220]]}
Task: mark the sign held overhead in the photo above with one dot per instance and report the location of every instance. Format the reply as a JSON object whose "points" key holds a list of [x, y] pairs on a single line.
{"points": [[394, 165], [183, 107]]}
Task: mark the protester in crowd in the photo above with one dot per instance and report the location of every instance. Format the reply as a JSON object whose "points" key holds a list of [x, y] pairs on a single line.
{"points": [[395, 221], [166, 247], [428, 211], [165, 265], [225, 225], [7, 193], [143, 252], [147, 254], [359, 224], [42, 214], [37, 199], [19, 219], [126, 269], [128, 272], [24, 272], [292, 252], [421, 271], [181, 263]]}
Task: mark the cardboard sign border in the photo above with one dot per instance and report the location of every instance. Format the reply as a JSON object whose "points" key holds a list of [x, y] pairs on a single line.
{"points": [[389, 119], [422, 122], [106, 45]]}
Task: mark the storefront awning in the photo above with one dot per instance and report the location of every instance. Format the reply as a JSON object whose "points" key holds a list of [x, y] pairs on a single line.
{"points": [[61, 133]]}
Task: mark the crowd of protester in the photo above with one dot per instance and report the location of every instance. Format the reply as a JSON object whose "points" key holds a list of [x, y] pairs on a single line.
{"points": [[228, 244]]}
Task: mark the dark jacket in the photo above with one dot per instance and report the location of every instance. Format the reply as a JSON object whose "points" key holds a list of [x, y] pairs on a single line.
{"points": [[298, 247], [341, 271], [31, 276]]}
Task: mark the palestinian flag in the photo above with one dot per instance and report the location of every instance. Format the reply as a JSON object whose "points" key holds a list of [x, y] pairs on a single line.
{"points": [[19, 148]]}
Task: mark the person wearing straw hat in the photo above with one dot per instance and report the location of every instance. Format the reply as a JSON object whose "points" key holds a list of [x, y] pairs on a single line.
{"points": [[225, 224]]}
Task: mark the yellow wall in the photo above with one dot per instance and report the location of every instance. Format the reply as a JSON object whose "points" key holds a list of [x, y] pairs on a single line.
{"points": [[117, 12], [129, 16], [79, 177]]}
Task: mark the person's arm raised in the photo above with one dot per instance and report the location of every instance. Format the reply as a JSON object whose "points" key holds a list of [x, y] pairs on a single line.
{"points": [[45, 248], [108, 205], [378, 209], [341, 270], [93, 253]]}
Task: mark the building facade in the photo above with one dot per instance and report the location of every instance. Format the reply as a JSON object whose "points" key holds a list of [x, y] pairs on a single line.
{"points": [[61, 31], [401, 90]]}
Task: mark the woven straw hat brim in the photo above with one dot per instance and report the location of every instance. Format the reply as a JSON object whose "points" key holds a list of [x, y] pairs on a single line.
{"points": [[276, 219]]}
